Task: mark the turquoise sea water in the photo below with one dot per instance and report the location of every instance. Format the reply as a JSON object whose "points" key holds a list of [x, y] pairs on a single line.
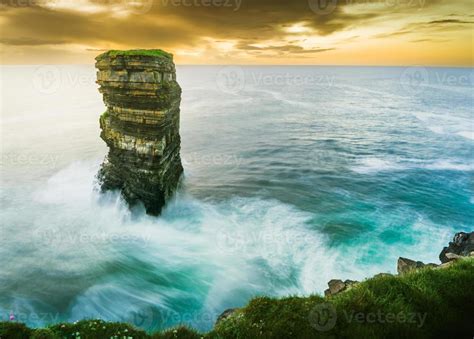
{"points": [[293, 176]]}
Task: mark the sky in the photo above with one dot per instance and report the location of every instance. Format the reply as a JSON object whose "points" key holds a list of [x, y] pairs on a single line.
{"points": [[320, 32]]}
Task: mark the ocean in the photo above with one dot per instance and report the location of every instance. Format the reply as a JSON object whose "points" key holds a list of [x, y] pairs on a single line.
{"points": [[293, 175]]}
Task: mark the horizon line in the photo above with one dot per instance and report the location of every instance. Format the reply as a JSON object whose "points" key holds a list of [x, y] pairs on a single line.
{"points": [[265, 65]]}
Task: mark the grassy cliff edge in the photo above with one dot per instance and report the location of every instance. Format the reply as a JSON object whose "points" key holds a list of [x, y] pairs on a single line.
{"points": [[430, 302]]}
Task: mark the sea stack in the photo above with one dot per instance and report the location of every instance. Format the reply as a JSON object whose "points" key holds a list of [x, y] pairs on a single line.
{"points": [[140, 126]]}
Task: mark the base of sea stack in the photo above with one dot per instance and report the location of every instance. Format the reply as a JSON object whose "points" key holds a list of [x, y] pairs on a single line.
{"points": [[153, 191], [140, 126]]}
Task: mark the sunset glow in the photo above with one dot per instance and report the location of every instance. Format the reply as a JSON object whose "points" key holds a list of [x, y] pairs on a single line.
{"points": [[351, 32]]}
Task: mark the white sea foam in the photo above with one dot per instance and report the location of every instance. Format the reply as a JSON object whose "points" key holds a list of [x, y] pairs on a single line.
{"points": [[376, 165], [450, 166], [280, 97], [68, 251], [467, 134], [233, 249], [445, 123]]}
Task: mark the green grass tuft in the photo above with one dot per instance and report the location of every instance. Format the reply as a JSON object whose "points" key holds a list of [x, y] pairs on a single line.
{"points": [[423, 304], [139, 52], [426, 303]]}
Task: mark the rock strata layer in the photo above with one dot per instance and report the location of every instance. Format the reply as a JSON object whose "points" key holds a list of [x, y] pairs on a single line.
{"points": [[140, 126]]}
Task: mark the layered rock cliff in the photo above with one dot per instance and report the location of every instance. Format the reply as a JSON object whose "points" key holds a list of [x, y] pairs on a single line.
{"points": [[140, 125]]}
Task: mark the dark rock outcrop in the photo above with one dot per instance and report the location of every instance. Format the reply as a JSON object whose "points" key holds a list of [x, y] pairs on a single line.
{"points": [[405, 265], [337, 285], [140, 126], [461, 246], [226, 314]]}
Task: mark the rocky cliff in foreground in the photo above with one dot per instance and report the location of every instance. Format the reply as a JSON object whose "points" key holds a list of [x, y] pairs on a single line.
{"points": [[461, 246], [422, 301], [140, 126]]}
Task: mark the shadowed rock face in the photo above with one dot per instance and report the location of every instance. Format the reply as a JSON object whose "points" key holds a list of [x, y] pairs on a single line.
{"points": [[462, 245], [140, 126]]}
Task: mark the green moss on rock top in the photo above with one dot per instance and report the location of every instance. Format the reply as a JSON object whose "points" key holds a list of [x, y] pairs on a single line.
{"points": [[137, 52]]}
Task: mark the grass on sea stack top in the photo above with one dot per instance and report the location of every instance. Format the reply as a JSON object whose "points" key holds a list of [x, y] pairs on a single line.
{"points": [[137, 52]]}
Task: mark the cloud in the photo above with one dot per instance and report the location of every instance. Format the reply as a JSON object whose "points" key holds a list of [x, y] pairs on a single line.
{"points": [[291, 49], [258, 28], [448, 21], [167, 21], [429, 40], [58, 27], [417, 28], [24, 41]]}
